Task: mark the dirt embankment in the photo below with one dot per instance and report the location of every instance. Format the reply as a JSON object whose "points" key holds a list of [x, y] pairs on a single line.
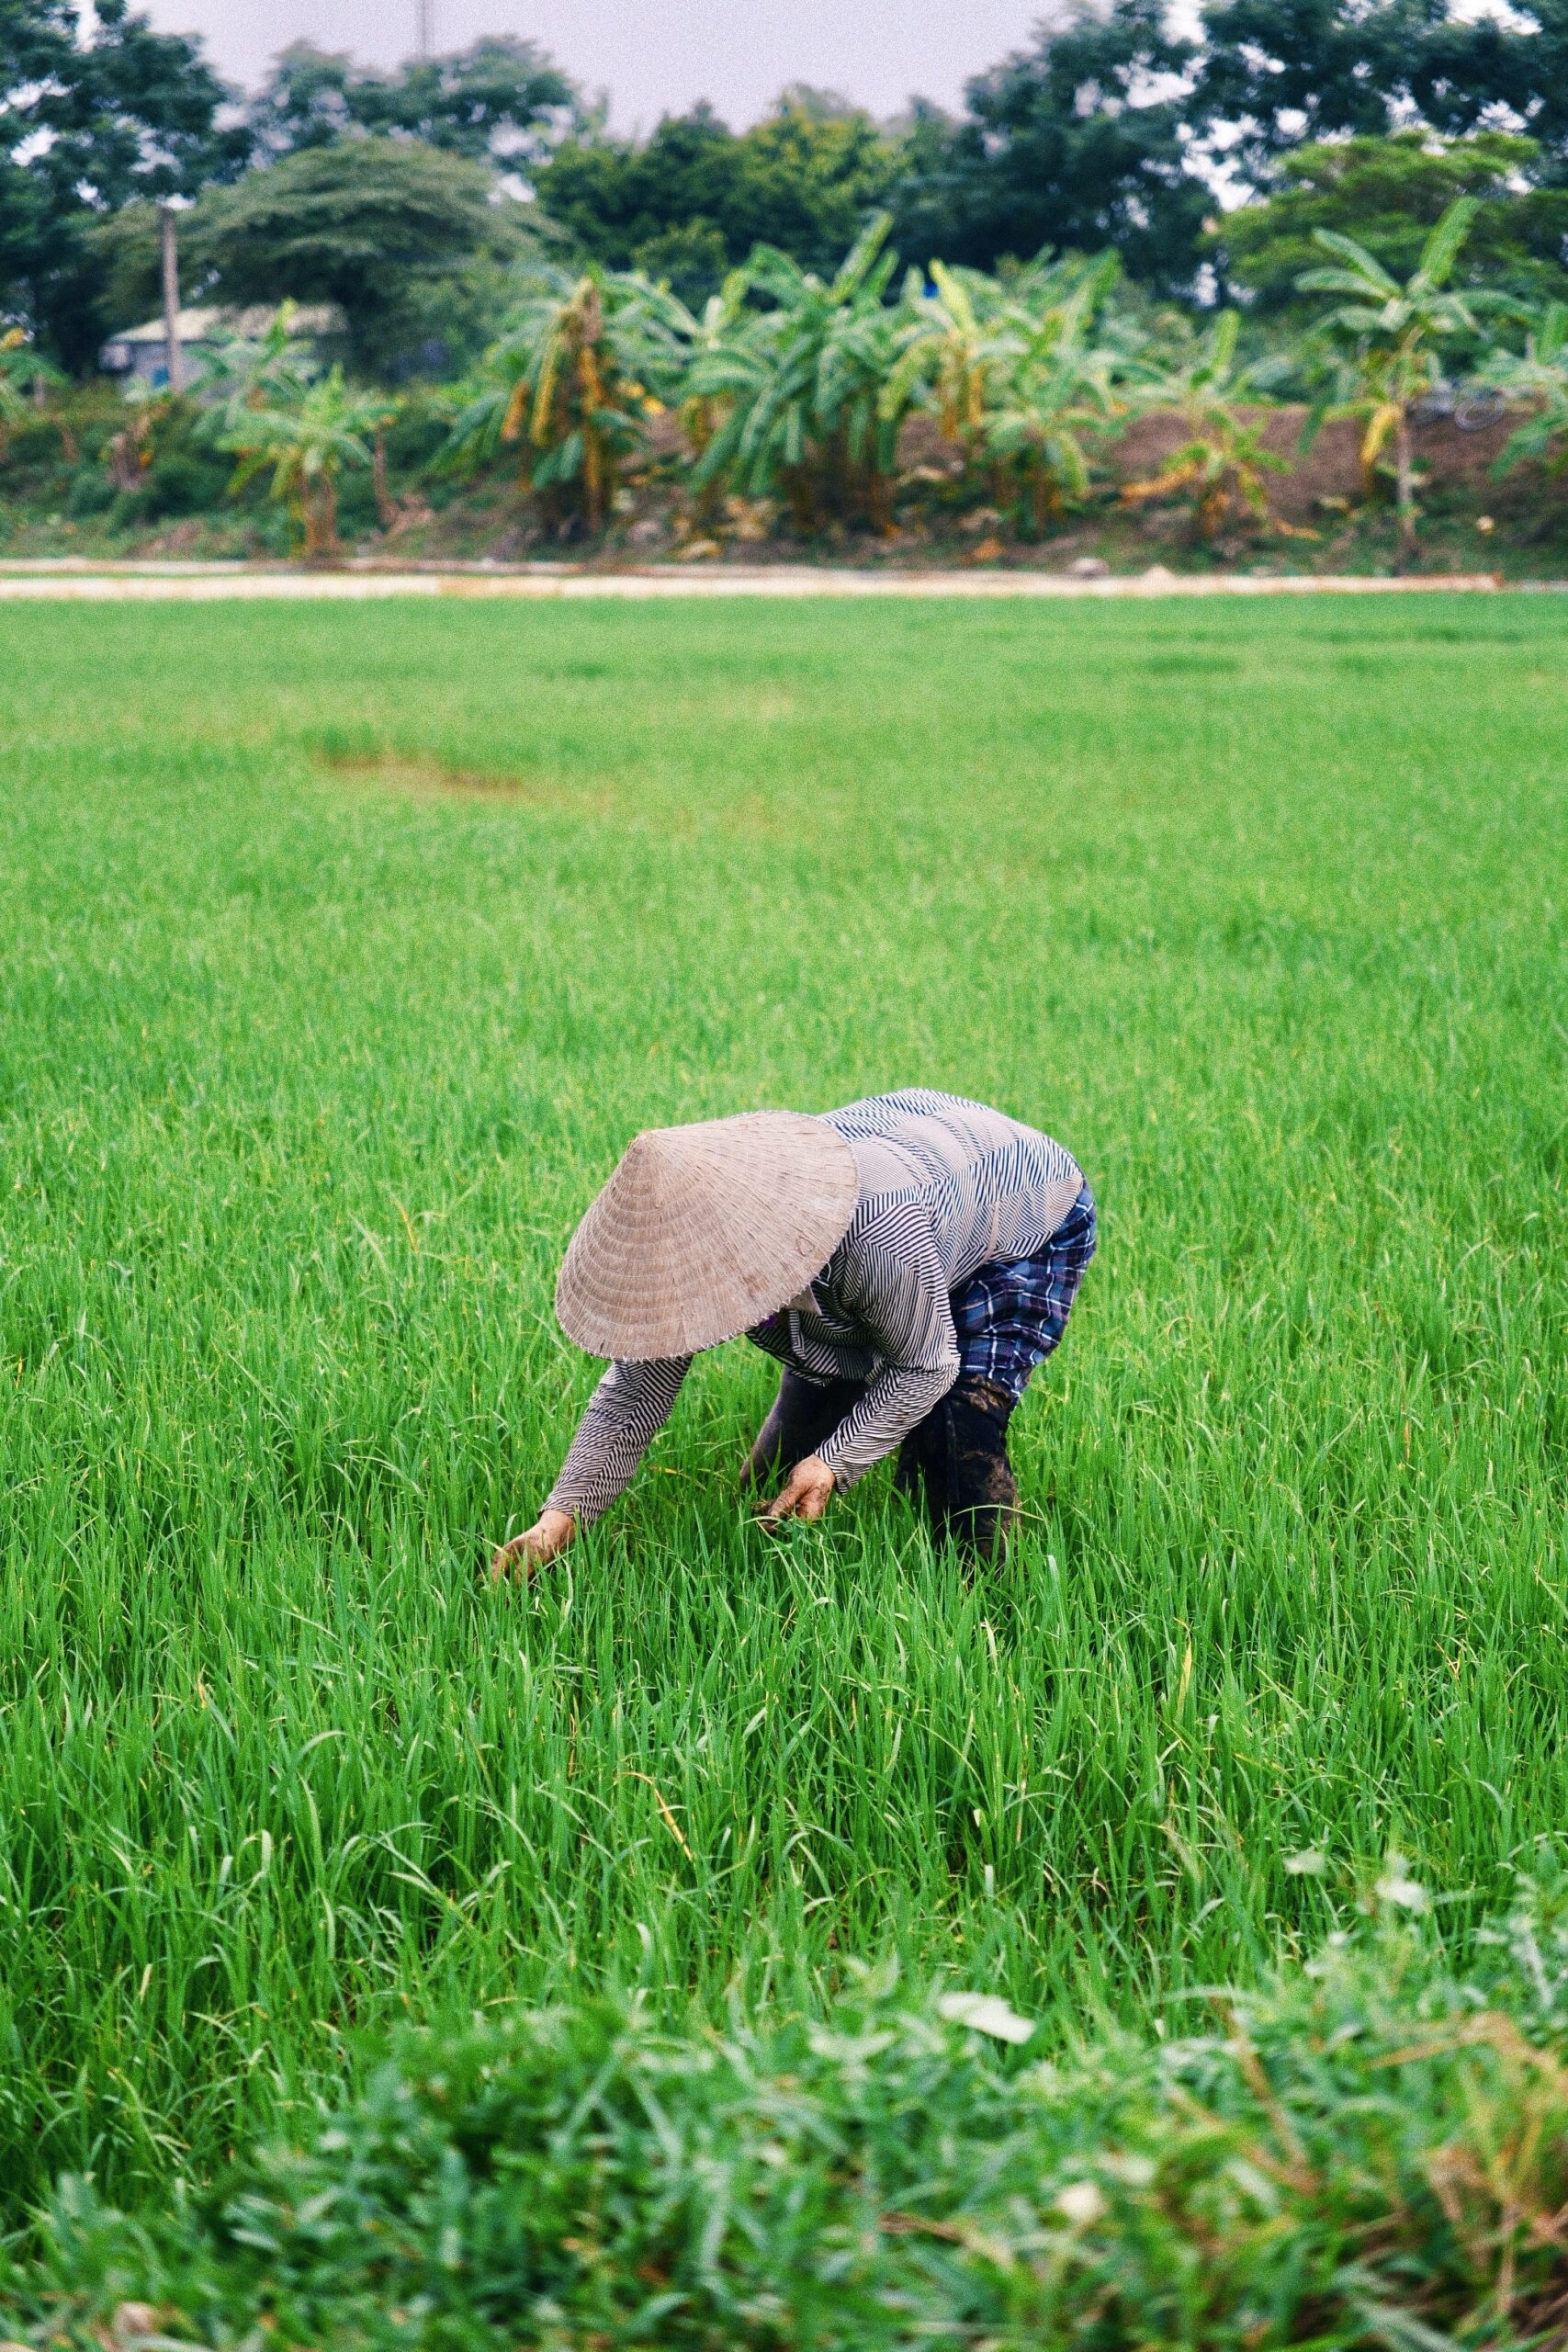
{"points": [[1321, 519], [1451, 456]]}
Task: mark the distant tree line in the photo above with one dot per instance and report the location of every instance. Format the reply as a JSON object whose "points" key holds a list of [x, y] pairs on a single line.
{"points": [[793, 394], [409, 198]]}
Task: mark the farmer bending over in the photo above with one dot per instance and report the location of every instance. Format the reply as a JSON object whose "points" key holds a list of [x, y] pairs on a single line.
{"points": [[908, 1259]]}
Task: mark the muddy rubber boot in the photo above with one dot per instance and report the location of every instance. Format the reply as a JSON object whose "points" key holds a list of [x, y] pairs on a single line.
{"points": [[971, 1493], [804, 1416]]}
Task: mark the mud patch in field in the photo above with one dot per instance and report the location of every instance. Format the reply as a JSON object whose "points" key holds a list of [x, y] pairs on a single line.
{"points": [[427, 778], [419, 776]]}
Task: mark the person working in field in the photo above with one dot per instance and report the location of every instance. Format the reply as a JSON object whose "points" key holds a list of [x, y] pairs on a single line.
{"points": [[908, 1259]]}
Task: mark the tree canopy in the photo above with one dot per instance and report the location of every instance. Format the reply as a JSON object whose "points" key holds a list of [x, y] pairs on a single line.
{"points": [[398, 233], [691, 200], [411, 243], [1078, 142], [1279, 73], [1387, 194], [501, 99], [1110, 129], [89, 124]]}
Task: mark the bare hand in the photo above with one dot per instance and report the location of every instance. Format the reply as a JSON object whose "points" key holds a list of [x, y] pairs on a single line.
{"points": [[807, 1494], [534, 1548]]}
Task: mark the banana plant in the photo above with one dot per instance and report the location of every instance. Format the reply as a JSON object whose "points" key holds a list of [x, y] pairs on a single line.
{"points": [[24, 372], [801, 385], [704, 411], [241, 372], [1537, 380], [582, 367], [1054, 389], [1386, 340], [1221, 466], [949, 349], [308, 432]]}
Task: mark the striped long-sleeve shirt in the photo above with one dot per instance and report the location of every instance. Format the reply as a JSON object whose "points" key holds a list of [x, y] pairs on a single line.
{"points": [[945, 1186]]}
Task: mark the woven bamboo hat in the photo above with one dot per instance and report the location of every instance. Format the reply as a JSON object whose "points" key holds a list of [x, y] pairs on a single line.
{"points": [[703, 1229]]}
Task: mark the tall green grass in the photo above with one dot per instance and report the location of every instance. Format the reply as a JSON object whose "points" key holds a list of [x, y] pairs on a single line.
{"points": [[1366, 2151], [342, 952]]}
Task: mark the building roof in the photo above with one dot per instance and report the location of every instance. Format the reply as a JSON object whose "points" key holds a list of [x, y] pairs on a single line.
{"points": [[204, 324]]}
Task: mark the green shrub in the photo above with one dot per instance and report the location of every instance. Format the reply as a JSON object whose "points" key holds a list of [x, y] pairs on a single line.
{"points": [[356, 506], [418, 433], [127, 510], [1369, 2152], [91, 492], [181, 482]]}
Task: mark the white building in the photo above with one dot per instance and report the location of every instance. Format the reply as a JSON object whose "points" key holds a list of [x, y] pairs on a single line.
{"points": [[141, 354]]}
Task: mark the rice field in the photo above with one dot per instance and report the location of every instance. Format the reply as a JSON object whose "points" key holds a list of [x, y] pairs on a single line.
{"points": [[343, 950]]}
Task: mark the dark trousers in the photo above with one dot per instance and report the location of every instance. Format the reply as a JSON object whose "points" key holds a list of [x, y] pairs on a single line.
{"points": [[955, 1461], [1009, 1317]]}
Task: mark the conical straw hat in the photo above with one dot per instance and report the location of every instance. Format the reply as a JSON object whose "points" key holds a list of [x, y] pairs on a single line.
{"points": [[703, 1229]]}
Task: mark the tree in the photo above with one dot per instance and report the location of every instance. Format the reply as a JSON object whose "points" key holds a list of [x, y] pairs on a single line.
{"points": [[691, 201], [1512, 61], [406, 240], [1078, 142], [304, 102], [1281, 74], [1221, 469], [1395, 333], [573, 383], [88, 125], [1278, 72], [501, 99], [1387, 193]]}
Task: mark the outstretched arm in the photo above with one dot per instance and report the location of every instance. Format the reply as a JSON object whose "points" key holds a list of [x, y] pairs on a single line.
{"points": [[631, 1403], [896, 1283]]}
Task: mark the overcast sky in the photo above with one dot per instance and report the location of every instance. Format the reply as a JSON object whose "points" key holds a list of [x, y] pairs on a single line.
{"points": [[652, 56]]}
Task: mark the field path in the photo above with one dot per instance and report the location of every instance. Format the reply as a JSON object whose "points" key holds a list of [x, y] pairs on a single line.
{"points": [[71, 580]]}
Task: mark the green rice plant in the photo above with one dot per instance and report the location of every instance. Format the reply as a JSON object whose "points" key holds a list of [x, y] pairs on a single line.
{"points": [[331, 985]]}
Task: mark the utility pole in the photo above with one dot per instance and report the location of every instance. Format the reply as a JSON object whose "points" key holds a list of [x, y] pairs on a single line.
{"points": [[171, 297], [426, 34]]}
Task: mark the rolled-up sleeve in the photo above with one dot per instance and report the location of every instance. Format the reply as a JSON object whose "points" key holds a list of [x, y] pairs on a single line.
{"points": [[630, 1405], [893, 1281]]}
